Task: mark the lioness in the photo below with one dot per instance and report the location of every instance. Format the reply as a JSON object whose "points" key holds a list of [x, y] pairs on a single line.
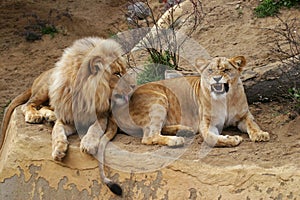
{"points": [[204, 104]]}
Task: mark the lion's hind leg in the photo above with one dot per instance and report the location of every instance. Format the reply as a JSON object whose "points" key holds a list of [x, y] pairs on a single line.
{"points": [[39, 96], [32, 115], [152, 132]]}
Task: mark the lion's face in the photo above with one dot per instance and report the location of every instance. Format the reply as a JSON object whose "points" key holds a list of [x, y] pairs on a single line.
{"points": [[221, 74]]}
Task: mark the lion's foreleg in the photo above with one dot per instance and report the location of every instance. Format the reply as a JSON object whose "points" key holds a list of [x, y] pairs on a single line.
{"points": [[249, 126], [90, 141], [211, 136], [47, 113], [59, 139]]}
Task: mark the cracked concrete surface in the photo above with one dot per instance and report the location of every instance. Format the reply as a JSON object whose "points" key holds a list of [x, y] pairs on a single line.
{"points": [[27, 171]]}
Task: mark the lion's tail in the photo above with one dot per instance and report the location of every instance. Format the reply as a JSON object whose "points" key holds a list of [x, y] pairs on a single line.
{"points": [[21, 99], [109, 135]]}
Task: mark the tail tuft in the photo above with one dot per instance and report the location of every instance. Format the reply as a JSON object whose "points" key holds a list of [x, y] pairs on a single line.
{"points": [[115, 188]]}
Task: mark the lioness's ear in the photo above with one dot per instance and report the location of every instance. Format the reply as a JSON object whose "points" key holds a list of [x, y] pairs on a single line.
{"points": [[201, 64], [95, 64], [238, 61]]}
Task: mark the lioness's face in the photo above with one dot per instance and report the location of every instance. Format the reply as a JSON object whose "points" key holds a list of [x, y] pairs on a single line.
{"points": [[123, 88], [220, 74]]}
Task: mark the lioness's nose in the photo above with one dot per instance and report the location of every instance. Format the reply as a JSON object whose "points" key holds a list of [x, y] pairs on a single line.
{"points": [[217, 79]]}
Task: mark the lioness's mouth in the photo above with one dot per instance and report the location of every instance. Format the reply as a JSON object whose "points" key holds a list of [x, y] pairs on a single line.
{"points": [[220, 88]]}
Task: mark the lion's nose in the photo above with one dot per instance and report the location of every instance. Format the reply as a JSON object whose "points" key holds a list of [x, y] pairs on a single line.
{"points": [[217, 79]]}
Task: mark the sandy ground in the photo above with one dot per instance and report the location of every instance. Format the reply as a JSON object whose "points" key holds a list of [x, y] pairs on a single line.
{"points": [[229, 29]]}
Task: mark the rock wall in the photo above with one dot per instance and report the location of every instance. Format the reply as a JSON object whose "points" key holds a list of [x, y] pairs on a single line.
{"points": [[28, 172]]}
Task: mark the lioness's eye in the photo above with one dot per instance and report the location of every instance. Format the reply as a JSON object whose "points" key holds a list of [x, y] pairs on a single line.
{"points": [[226, 70], [210, 70]]}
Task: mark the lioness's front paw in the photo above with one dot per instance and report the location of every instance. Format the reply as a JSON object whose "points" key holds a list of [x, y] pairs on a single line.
{"points": [[175, 141], [234, 140], [260, 136], [59, 150], [89, 144]]}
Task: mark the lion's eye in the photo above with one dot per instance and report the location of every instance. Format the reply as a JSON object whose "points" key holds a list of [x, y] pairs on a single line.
{"points": [[226, 70], [118, 74], [210, 70]]}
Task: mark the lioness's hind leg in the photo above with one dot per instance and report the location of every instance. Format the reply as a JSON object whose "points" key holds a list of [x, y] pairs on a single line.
{"points": [[152, 132]]}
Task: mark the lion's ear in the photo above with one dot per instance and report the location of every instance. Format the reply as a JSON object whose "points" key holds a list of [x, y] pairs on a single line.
{"points": [[201, 64], [95, 65], [239, 61]]}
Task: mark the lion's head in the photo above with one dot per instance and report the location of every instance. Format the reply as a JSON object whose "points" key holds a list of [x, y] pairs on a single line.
{"points": [[84, 79], [220, 74]]}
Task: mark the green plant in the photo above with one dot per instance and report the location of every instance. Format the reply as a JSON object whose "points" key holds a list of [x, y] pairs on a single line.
{"points": [[37, 26], [266, 8], [295, 95], [151, 72], [49, 29], [271, 7], [159, 62]]}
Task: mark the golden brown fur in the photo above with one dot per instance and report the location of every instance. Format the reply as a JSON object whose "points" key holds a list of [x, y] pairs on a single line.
{"points": [[79, 90], [204, 104], [83, 77]]}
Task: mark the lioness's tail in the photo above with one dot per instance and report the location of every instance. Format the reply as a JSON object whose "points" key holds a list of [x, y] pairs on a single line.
{"points": [[111, 131], [21, 99]]}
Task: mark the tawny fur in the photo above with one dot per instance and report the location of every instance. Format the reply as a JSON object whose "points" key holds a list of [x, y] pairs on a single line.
{"points": [[79, 90], [204, 104]]}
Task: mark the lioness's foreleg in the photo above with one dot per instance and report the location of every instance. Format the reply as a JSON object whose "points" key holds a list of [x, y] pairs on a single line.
{"points": [[213, 138], [60, 142], [90, 141], [248, 125], [152, 132]]}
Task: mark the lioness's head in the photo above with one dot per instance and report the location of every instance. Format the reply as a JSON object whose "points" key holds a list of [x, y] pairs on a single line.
{"points": [[123, 88], [220, 74]]}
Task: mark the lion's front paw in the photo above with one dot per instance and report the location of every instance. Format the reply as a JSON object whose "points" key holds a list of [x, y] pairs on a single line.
{"points": [[59, 150], [175, 141], [48, 115], [260, 136], [33, 117], [89, 144]]}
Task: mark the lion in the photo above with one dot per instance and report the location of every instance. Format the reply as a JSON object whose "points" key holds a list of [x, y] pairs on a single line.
{"points": [[78, 90], [199, 104]]}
